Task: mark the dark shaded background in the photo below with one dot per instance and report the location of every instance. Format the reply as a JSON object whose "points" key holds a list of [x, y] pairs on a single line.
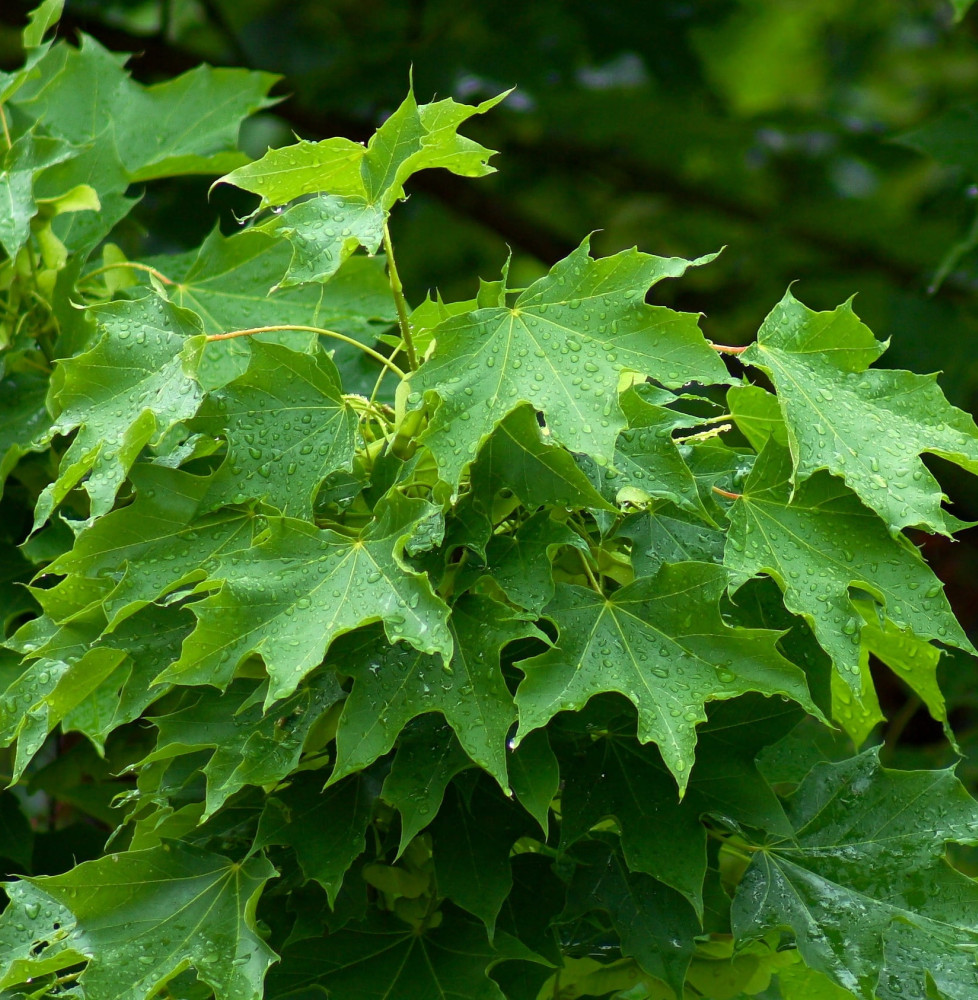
{"points": [[770, 127]]}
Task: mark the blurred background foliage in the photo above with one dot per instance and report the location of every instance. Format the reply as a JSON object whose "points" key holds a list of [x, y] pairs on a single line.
{"points": [[825, 142]]}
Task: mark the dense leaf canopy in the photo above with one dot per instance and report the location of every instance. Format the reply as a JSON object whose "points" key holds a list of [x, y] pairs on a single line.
{"points": [[371, 629]]}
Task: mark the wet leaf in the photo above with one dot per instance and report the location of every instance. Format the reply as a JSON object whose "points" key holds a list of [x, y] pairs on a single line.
{"points": [[560, 348], [662, 644], [865, 425]]}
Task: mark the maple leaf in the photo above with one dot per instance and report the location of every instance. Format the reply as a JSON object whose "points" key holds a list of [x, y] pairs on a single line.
{"points": [[615, 776], [472, 839], [20, 163], [656, 925], [127, 391], [413, 138], [299, 587], [428, 756], [284, 415], [521, 564], [452, 959], [23, 421], [161, 542], [863, 882], [358, 184], [225, 282], [820, 543], [250, 747], [662, 644], [518, 458], [302, 816], [647, 458], [561, 348], [86, 96], [138, 919], [867, 426], [324, 231], [393, 683]]}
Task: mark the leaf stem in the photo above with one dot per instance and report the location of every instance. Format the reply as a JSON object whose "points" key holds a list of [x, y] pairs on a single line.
{"points": [[727, 493], [399, 301], [590, 574], [380, 378], [134, 265], [899, 723], [6, 130], [724, 349], [376, 355]]}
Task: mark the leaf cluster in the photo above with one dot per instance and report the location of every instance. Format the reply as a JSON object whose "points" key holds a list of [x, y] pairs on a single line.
{"points": [[445, 650]]}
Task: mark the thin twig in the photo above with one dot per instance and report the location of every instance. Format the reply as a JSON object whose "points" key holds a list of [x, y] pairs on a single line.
{"points": [[725, 349], [133, 265], [376, 355]]}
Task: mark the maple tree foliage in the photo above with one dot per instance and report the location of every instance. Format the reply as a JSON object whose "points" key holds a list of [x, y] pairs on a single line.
{"points": [[476, 677]]}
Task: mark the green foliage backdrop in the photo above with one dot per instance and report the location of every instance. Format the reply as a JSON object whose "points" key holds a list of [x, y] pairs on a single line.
{"points": [[473, 623]]}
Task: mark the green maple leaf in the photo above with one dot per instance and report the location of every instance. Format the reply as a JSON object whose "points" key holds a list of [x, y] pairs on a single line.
{"points": [[534, 773], [26, 157], [757, 415], [618, 777], [914, 660], [287, 425], [561, 348], [304, 815], [393, 683], [867, 426], [226, 281], [818, 545], [864, 884], [150, 641], [44, 693], [23, 420], [161, 542], [85, 678], [139, 919], [299, 587], [667, 534], [798, 982], [518, 458], [413, 138], [40, 20], [324, 231], [127, 391], [384, 957], [428, 756], [655, 924], [85, 95], [358, 184], [662, 644], [647, 460], [472, 838], [521, 564], [250, 746]]}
